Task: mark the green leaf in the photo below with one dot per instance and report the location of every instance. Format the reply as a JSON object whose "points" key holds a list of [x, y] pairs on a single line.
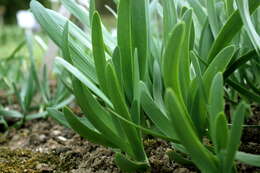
{"points": [[184, 67], [229, 30], [85, 131], [156, 115], [92, 9], [118, 100], [216, 103], [87, 82], [250, 159], [199, 11], [29, 41], [65, 44], [229, 4], [136, 78], [171, 58], [219, 64], [243, 7], [173, 155], [170, 18], [140, 33], [124, 39], [98, 116], [128, 165], [99, 51], [157, 85], [80, 47], [205, 43], [10, 113], [235, 134], [116, 58], [213, 17], [221, 133], [58, 116], [145, 130], [77, 10], [200, 155], [243, 91], [239, 62], [85, 17]]}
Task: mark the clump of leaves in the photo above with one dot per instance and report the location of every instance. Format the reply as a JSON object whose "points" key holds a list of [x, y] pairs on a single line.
{"points": [[172, 77]]}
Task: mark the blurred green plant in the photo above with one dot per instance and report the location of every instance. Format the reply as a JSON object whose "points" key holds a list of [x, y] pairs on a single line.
{"points": [[20, 77], [174, 77]]}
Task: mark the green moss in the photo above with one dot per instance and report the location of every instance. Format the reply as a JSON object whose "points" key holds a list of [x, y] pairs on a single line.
{"points": [[18, 161]]}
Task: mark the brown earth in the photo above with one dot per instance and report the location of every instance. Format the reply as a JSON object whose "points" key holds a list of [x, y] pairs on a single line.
{"points": [[43, 146]]}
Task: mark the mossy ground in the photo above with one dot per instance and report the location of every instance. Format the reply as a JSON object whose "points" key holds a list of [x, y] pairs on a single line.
{"points": [[27, 161], [43, 146]]}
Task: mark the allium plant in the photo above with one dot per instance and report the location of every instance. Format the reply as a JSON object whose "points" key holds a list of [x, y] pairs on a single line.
{"points": [[165, 64]]}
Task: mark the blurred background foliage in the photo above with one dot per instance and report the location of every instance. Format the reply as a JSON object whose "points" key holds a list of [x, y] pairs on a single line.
{"points": [[10, 7], [11, 34]]}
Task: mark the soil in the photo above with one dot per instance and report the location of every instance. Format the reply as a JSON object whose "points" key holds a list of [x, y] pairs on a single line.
{"points": [[43, 146]]}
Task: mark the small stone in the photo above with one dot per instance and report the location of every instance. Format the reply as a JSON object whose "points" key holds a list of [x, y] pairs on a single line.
{"points": [[56, 132], [44, 167], [61, 138]]}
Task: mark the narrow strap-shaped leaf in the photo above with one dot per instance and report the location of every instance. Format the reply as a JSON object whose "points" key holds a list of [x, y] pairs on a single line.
{"points": [[98, 116], [136, 77], [120, 106], [171, 58], [248, 24], [170, 18], [115, 91], [85, 131], [229, 30], [250, 159], [11, 113], [156, 115], [78, 11], [140, 33], [116, 58], [199, 11], [213, 17], [65, 44], [219, 64], [206, 41], [15, 51], [29, 41], [77, 74], [184, 74], [85, 17], [235, 134], [145, 130], [173, 155], [199, 102], [229, 5], [221, 133], [128, 165], [195, 63], [200, 155], [216, 102], [239, 62], [92, 9], [157, 84], [135, 112], [99, 51], [243, 91], [53, 24], [124, 40]]}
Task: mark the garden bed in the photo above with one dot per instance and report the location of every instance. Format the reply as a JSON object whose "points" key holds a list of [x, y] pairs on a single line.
{"points": [[43, 146]]}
